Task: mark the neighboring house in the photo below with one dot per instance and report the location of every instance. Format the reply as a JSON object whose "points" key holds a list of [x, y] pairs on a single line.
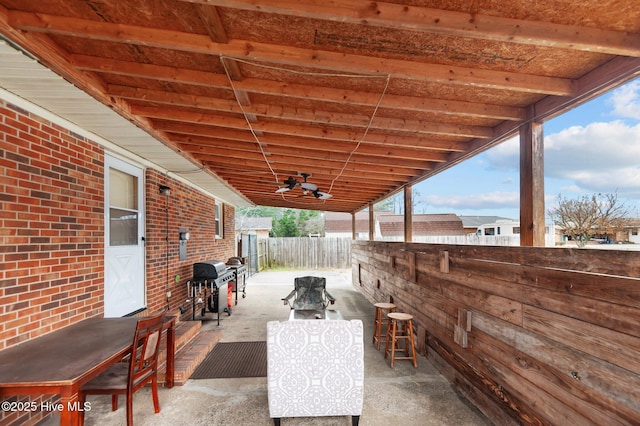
{"points": [[501, 227], [392, 226], [511, 228], [389, 226], [339, 225], [472, 223], [630, 232], [259, 226]]}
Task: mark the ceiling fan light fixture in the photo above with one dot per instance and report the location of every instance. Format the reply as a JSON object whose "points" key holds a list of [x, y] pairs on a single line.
{"points": [[307, 187]]}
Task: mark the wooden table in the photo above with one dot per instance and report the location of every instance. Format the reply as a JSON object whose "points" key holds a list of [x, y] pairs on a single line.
{"points": [[62, 361]]}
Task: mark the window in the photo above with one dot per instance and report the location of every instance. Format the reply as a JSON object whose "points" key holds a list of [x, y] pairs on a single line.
{"points": [[218, 220], [123, 208], [489, 231], [634, 231], [516, 229]]}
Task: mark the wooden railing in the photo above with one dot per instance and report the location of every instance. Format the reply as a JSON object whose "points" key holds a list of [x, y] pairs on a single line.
{"points": [[529, 335]]}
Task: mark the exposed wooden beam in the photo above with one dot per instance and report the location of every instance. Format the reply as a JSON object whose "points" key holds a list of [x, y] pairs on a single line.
{"points": [[289, 90], [212, 22], [379, 122], [423, 19], [363, 121], [378, 142], [315, 168], [235, 156], [401, 166], [318, 130], [288, 55], [400, 153]]}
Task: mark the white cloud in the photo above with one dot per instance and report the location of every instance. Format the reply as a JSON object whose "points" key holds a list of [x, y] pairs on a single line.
{"points": [[595, 158], [626, 100], [505, 156], [490, 200]]}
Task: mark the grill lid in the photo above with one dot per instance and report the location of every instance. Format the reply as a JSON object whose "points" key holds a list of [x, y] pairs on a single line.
{"points": [[209, 269], [234, 261]]}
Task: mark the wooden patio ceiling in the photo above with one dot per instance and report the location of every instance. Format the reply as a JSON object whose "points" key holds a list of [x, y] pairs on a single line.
{"points": [[365, 96]]}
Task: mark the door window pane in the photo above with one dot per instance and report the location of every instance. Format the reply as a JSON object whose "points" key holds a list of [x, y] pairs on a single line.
{"points": [[123, 190], [123, 227], [123, 208]]}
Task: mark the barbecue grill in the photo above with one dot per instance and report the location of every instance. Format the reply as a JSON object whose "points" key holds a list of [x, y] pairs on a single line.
{"points": [[211, 282], [239, 269]]}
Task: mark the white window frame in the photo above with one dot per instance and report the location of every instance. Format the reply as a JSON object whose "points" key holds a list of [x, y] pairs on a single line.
{"points": [[219, 220]]}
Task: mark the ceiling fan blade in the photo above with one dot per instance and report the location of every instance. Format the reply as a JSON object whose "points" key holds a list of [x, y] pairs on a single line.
{"points": [[309, 186], [322, 195], [283, 189]]}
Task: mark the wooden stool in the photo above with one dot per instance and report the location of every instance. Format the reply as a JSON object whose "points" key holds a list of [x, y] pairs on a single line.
{"points": [[379, 322], [400, 329]]}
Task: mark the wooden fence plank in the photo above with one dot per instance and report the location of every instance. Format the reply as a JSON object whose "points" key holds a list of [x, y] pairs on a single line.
{"points": [[606, 344], [606, 379], [555, 388]]}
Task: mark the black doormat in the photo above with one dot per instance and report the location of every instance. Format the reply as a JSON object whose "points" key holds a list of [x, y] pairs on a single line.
{"points": [[234, 359]]}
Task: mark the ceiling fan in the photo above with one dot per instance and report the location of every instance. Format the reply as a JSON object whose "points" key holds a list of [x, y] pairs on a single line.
{"points": [[307, 187]]}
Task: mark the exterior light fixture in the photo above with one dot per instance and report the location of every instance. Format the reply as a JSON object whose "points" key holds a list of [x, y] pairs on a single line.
{"points": [[165, 190]]}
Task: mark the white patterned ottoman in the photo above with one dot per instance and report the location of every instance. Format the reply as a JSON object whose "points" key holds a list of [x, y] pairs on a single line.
{"points": [[315, 368]]}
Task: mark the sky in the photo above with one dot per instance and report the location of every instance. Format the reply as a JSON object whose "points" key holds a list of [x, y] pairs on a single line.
{"points": [[594, 148]]}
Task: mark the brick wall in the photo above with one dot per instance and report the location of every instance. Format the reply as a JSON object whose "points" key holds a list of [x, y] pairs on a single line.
{"points": [[184, 208], [51, 227], [51, 232]]}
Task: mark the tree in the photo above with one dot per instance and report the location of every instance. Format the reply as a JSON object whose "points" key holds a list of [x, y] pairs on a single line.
{"points": [[286, 226], [395, 203], [582, 218], [310, 222], [285, 222]]}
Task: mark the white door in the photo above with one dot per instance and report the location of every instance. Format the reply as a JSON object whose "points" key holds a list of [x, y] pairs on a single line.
{"points": [[124, 290]]}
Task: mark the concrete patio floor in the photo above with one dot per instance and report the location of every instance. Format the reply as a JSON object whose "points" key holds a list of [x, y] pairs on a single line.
{"points": [[403, 395]]}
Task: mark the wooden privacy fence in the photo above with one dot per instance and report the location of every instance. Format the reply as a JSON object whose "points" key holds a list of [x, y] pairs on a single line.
{"points": [[536, 336], [309, 253]]}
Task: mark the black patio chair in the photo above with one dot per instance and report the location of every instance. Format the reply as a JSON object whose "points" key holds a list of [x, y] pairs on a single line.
{"points": [[310, 293]]}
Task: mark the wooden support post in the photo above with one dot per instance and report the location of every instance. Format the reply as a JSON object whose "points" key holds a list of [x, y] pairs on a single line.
{"points": [[408, 214], [532, 224], [354, 231], [372, 224]]}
